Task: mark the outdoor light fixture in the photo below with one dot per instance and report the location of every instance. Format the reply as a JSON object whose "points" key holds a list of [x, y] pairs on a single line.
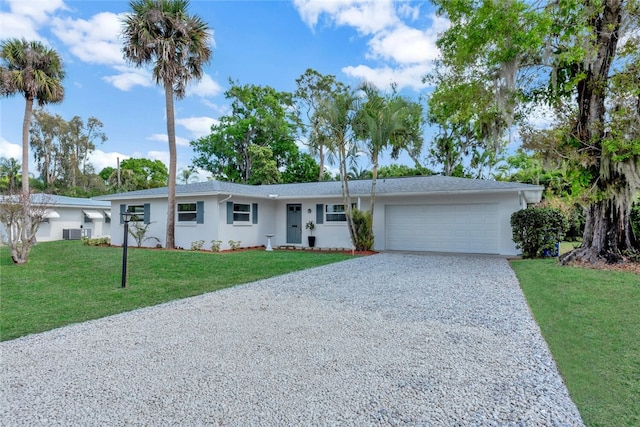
{"points": [[126, 218]]}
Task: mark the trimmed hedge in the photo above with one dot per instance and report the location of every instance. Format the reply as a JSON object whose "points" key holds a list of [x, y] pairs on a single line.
{"points": [[538, 230]]}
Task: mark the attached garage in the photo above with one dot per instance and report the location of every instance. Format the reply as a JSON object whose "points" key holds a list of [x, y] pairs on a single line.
{"points": [[462, 228]]}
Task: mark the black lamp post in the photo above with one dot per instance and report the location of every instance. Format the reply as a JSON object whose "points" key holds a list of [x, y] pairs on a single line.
{"points": [[126, 218]]}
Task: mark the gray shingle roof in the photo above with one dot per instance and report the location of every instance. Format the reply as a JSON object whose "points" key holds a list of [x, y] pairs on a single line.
{"points": [[54, 200], [384, 186]]}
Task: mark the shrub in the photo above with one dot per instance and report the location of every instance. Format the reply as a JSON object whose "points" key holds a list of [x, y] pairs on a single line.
{"points": [[235, 244], [215, 245], [139, 230], [363, 224], [197, 245], [574, 212], [538, 229], [96, 241]]}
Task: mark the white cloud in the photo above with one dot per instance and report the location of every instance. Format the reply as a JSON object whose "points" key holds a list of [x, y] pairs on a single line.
{"points": [[130, 77], [163, 156], [222, 110], [409, 12], [100, 159], [163, 137], [310, 10], [383, 77], [95, 40], [15, 26], [204, 87], [25, 17], [9, 150], [367, 16], [404, 53], [37, 10], [198, 126], [404, 45]]}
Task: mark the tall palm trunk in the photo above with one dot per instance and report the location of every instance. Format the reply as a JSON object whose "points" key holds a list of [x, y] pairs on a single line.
{"points": [[374, 179], [28, 110], [345, 191], [21, 253], [171, 133]]}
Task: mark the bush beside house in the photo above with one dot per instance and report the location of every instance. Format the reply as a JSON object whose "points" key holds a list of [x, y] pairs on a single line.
{"points": [[538, 230]]}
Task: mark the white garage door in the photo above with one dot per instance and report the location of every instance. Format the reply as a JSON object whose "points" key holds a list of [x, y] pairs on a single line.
{"points": [[465, 228]]}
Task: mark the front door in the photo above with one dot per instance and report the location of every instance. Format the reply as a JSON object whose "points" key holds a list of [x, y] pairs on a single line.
{"points": [[294, 223]]}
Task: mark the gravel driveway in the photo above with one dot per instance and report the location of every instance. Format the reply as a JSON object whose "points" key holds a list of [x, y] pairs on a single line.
{"points": [[390, 339]]}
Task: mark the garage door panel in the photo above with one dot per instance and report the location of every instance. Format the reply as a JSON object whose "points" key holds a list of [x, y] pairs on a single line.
{"points": [[471, 228]]}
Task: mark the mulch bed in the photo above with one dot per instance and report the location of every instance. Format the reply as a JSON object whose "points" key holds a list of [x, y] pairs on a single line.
{"points": [[314, 250]]}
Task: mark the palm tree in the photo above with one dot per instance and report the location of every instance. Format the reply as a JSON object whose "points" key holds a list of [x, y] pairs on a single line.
{"points": [[35, 71], [187, 175], [335, 115], [161, 33], [385, 122]]}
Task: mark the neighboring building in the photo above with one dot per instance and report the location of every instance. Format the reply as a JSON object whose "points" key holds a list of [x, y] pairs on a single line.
{"points": [[70, 218], [431, 213]]}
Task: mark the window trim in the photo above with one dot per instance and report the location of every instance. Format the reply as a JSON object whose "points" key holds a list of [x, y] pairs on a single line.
{"points": [[146, 212], [336, 213], [247, 213], [193, 212]]}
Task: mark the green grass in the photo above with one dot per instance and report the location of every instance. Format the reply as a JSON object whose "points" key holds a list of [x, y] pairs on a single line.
{"points": [[66, 282], [591, 322]]}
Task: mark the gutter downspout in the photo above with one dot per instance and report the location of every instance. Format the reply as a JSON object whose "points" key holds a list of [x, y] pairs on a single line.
{"points": [[224, 200]]}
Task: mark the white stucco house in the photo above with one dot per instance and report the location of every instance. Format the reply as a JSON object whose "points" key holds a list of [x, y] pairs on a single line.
{"points": [[70, 218], [430, 213]]}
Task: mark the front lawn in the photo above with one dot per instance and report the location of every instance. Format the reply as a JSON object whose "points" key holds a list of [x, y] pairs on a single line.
{"points": [[591, 322], [66, 282]]}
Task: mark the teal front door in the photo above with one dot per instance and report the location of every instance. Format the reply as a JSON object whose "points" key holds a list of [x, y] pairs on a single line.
{"points": [[294, 223]]}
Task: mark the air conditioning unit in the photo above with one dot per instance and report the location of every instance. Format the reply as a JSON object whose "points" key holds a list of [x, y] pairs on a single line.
{"points": [[71, 234]]}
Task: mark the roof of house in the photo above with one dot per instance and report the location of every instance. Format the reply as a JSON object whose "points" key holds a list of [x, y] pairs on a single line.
{"points": [[64, 201], [384, 186]]}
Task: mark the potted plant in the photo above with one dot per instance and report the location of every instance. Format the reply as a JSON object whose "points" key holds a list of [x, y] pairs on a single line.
{"points": [[312, 239]]}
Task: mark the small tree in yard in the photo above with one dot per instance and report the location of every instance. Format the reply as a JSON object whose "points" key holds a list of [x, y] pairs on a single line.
{"points": [[538, 229], [21, 229], [139, 230]]}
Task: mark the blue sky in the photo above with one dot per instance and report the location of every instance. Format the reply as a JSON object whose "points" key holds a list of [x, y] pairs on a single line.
{"points": [[255, 42]]}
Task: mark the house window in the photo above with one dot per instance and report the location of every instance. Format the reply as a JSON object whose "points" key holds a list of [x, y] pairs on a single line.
{"points": [[90, 215], [241, 212], [142, 212], [187, 212], [107, 217], [336, 213], [138, 210]]}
